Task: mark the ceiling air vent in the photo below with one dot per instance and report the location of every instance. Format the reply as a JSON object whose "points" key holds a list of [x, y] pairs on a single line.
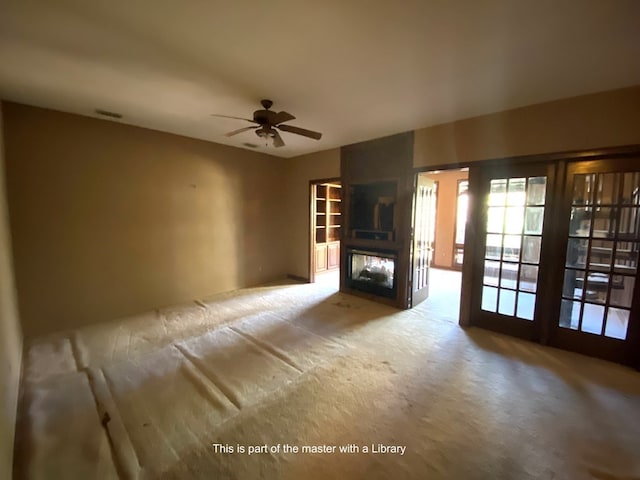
{"points": [[106, 113], [250, 145]]}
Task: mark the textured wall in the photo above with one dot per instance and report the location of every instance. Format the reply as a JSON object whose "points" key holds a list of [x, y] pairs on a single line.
{"points": [[300, 170], [10, 334], [580, 123], [110, 220]]}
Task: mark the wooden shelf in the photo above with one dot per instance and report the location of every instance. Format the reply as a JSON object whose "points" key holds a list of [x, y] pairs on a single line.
{"points": [[327, 226]]}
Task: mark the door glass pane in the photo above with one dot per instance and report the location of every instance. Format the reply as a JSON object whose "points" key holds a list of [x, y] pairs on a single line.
{"points": [[489, 298], [494, 247], [607, 192], [528, 278], [597, 284], [516, 195], [491, 271], [511, 248], [617, 323], [514, 220], [497, 192], [629, 223], [622, 290], [572, 286], [626, 260], [495, 220], [526, 305], [531, 249], [630, 188], [569, 314], [507, 303], [577, 252], [583, 189], [580, 220], [592, 318], [533, 220], [509, 275], [600, 257], [604, 222], [536, 190]]}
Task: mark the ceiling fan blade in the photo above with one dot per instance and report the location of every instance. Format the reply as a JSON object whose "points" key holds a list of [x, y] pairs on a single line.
{"points": [[277, 140], [300, 131], [235, 118], [240, 130], [281, 117]]}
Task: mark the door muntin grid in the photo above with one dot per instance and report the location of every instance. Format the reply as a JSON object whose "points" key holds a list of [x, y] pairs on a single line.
{"points": [[515, 214], [602, 254]]}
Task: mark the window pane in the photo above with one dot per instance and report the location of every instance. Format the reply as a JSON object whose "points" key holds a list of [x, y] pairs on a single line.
{"points": [[489, 298], [495, 220], [536, 190], [533, 220], [461, 215], [576, 252], [494, 247], [514, 220], [509, 275], [507, 305], [531, 249], [592, 318], [622, 290], [491, 270], [511, 248], [569, 314], [528, 278], [617, 323], [498, 190], [526, 305]]}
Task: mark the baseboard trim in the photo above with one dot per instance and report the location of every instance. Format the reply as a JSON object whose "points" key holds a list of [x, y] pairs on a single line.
{"points": [[298, 278]]}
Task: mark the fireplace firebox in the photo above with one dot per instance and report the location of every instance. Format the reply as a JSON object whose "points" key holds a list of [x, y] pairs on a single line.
{"points": [[372, 271]]}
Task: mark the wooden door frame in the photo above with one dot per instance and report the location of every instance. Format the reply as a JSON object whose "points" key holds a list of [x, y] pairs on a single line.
{"points": [[312, 223]]}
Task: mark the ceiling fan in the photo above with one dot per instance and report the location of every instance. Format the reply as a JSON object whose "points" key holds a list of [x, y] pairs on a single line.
{"points": [[269, 122]]}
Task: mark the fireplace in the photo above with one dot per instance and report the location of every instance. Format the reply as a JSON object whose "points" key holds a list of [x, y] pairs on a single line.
{"points": [[372, 271]]}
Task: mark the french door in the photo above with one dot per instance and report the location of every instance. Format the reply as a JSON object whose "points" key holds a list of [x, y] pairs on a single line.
{"points": [[600, 242], [421, 249], [511, 217], [557, 262]]}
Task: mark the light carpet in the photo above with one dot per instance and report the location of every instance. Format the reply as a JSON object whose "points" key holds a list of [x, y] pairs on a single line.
{"points": [[302, 365]]}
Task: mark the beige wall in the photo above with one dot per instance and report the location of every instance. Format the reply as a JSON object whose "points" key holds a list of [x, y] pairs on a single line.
{"points": [[10, 333], [109, 219], [300, 170], [590, 121], [446, 215]]}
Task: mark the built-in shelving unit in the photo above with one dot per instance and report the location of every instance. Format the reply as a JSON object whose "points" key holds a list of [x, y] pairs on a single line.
{"points": [[328, 226]]}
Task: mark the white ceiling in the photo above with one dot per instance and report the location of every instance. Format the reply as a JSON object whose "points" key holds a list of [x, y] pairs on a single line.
{"points": [[352, 69]]}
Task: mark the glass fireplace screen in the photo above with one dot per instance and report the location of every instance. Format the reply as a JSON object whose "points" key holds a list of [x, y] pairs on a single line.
{"points": [[372, 271]]}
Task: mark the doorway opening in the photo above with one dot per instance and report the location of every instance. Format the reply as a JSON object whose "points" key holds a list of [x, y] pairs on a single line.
{"points": [[326, 230], [442, 224]]}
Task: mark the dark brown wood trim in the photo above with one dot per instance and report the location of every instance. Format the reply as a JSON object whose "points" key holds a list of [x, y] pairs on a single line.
{"points": [[589, 154]]}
